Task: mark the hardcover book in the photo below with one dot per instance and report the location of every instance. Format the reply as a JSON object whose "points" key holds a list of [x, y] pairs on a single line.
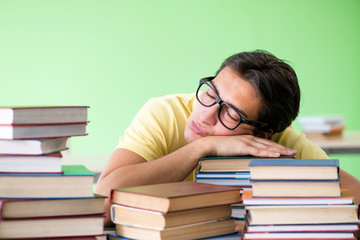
{"points": [[168, 197], [294, 169], [302, 214], [33, 146], [52, 227], [43, 114], [229, 164], [35, 208], [190, 231], [50, 163], [152, 219], [42, 131], [75, 181]]}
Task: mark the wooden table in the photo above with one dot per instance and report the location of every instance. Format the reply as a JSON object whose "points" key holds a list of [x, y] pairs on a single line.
{"points": [[347, 143]]}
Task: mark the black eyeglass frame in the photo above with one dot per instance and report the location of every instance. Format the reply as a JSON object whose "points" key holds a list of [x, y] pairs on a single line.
{"points": [[207, 80]]}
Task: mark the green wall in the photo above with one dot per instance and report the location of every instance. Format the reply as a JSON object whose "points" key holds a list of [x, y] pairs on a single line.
{"points": [[114, 55]]}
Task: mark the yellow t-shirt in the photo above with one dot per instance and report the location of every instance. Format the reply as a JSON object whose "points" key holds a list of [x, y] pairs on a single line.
{"points": [[158, 129]]}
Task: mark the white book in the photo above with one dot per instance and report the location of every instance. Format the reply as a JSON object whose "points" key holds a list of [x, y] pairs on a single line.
{"points": [[33, 146], [31, 163]]}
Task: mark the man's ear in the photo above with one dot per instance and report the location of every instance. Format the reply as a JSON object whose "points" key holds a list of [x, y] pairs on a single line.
{"points": [[264, 134]]}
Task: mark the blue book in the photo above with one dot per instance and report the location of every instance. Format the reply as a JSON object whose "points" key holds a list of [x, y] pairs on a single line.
{"points": [[74, 181], [222, 175], [301, 169], [230, 163]]}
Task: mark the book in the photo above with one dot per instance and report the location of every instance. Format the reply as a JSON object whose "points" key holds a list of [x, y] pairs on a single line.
{"points": [[33, 146], [42, 131], [248, 199], [294, 169], [35, 208], [189, 231], [321, 119], [52, 227], [168, 197], [222, 175], [296, 188], [324, 128], [318, 136], [43, 114], [225, 181], [229, 164], [152, 219], [302, 214], [88, 237], [50, 163], [299, 235], [74, 181], [231, 236], [350, 227]]}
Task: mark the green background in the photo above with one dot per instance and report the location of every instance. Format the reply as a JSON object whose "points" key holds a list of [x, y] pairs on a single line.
{"points": [[114, 55]]}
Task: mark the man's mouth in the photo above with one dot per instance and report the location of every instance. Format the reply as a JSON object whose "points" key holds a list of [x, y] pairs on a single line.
{"points": [[197, 130]]}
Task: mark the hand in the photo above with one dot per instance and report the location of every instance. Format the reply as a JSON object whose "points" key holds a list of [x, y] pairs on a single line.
{"points": [[245, 145]]}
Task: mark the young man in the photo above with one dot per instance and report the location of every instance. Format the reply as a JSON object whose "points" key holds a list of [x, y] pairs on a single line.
{"points": [[247, 108]]}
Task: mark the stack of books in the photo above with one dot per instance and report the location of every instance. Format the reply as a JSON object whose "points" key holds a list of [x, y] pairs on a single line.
{"points": [[181, 210], [298, 199], [322, 127], [229, 171], [39, 197]]}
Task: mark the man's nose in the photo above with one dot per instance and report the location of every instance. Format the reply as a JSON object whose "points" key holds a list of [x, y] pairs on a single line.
{"points": [[208, 115]]}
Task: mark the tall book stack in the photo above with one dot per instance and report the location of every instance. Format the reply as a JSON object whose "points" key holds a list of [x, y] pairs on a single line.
{"points": [[322, 127], [181, 210], [39, 197], [229, 171], [298, 199]]}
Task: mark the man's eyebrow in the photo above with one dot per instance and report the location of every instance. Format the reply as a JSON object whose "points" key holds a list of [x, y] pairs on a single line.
{"points": [[237, 109]]}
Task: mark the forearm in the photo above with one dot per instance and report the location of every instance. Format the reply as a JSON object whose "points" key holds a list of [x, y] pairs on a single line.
{"points": [[352, 184]]}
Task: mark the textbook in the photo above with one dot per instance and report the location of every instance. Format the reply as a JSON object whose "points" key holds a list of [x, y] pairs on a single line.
{"points": [[34, 208], [50, 163], [11, 132], [248, 199], [43, 114], [74, 181], [33, 146], [226, 181], [190, 231], [230, 164], [168, 197], [152, 219], [300, 235], [294, 169], [52, 227], [296, 188], [302, 214]]}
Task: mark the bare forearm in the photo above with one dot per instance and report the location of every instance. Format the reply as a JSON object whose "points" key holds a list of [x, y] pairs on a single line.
{"points": [[352, 184]]}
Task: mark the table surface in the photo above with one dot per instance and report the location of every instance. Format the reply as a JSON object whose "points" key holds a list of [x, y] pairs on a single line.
{"points": [[347, 142]]}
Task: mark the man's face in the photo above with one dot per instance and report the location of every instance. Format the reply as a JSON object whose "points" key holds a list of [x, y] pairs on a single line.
{"points": [[232, 89]]}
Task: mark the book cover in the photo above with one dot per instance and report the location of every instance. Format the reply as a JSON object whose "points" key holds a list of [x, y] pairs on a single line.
{"points": [[74, 181], [222, 175], [49, 163], [43, 114], [35, 208], [14, 132], [294, 169], [175, 196], [299, 235], [33, 146]]}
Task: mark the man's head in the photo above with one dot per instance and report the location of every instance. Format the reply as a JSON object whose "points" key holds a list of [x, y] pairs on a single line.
{"points": [[260, 87], [276, 83]]}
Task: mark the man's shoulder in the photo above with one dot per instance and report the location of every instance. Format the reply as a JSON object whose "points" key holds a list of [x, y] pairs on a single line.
{"points": [[175, 101]]}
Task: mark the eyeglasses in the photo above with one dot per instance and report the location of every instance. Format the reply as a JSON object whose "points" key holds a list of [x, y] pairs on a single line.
{"points": [[228, 115]]}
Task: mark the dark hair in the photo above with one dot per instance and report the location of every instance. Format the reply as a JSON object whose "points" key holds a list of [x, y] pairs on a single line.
{"points": [[276, 83]]}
